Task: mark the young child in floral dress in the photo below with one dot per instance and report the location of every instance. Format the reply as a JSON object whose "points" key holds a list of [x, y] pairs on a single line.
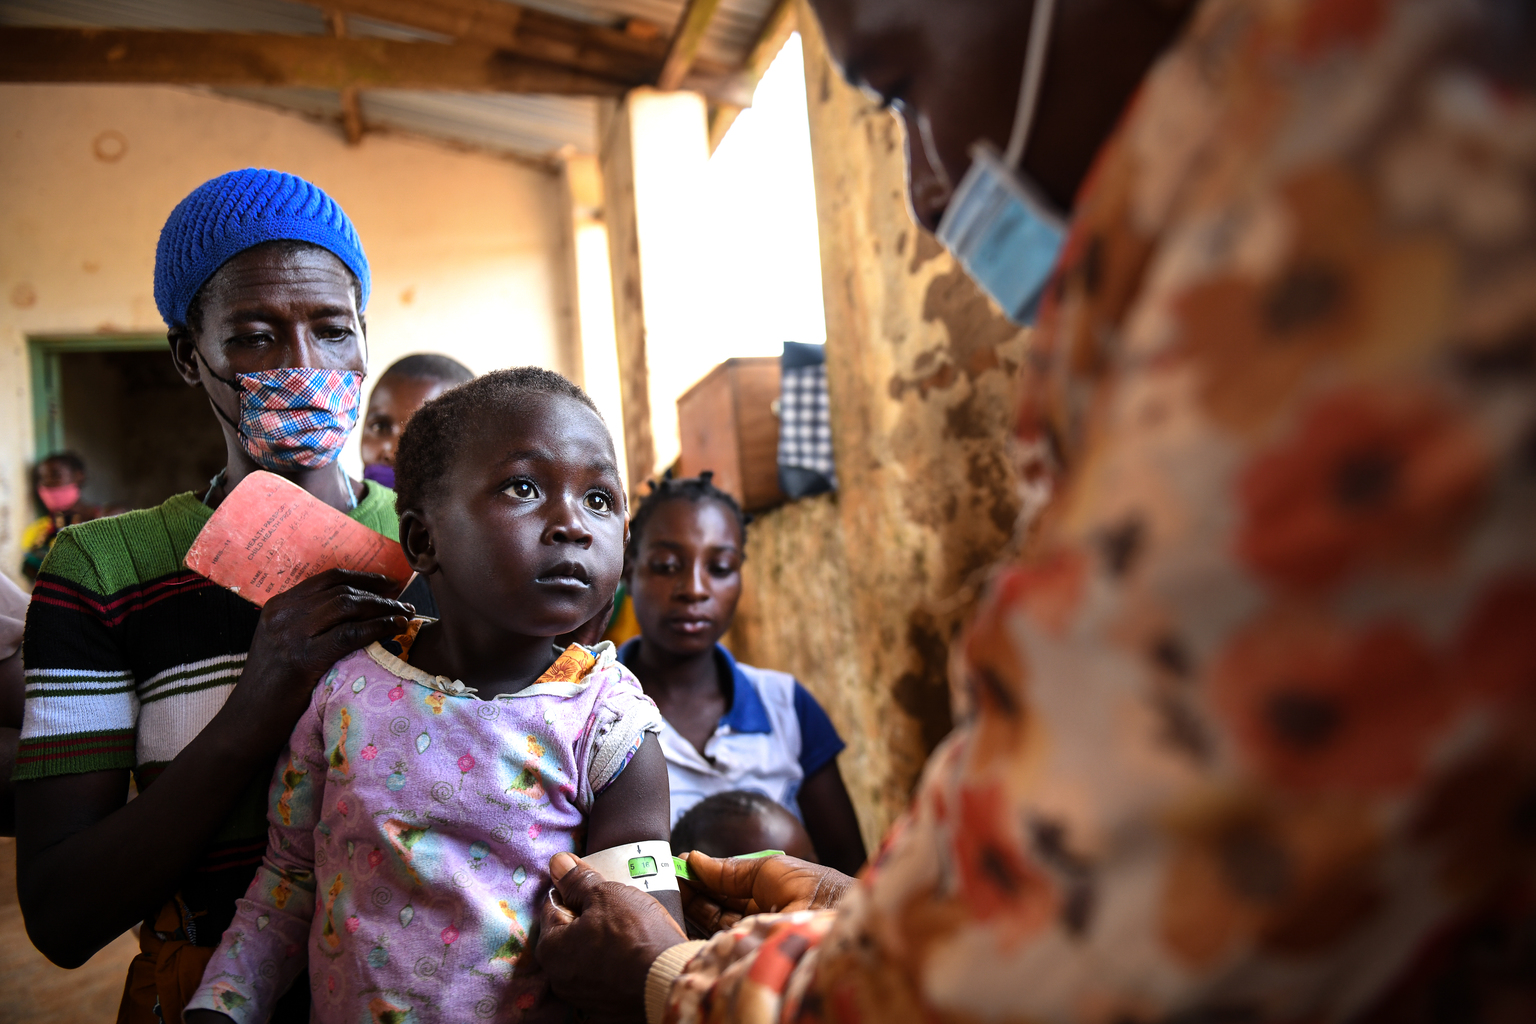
{"points": [[414, 814]]}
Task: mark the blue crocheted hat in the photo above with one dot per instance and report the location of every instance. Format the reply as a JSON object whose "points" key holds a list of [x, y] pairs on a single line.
{"points": [[235, 211]]}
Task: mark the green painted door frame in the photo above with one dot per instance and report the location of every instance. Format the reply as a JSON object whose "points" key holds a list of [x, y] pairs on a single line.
{"points": [[43, 357]]}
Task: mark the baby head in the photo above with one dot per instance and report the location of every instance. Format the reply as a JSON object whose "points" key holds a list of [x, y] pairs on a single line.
{"points": [[405, 387], [740, 821], [510, 498], [683, 564]]}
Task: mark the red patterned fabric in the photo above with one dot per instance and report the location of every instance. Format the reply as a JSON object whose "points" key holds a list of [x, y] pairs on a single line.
{"points": [[1247, 732]]}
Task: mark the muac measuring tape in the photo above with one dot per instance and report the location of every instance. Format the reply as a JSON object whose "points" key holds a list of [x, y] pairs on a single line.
{"points": [[649, 866]]}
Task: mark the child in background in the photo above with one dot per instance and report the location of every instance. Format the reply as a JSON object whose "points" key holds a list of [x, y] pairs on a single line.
{"points": [[740, 821], [728, 725], [422, 795], [408, 384], [56, 481]]}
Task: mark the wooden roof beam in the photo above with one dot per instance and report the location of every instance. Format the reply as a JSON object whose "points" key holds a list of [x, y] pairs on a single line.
{"points": [[246, 59], [492, 22], [251, 59], [771, 37], [599, 49], [684, 48]]}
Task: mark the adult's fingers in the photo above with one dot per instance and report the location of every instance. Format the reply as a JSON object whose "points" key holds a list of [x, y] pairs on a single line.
{"points": [[331, 579], [374, 581], [348, 603], [725, 880], [598, 943], [556, 918], [705, 915], [574, 881], [344, 638], [767, 884]]}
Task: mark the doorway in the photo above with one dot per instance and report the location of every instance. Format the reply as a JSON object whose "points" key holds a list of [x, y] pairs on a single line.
{"points": [[118, 402]]}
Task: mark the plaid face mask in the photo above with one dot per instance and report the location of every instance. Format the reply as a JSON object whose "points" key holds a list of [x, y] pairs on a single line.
{"points": [[294, 418]]}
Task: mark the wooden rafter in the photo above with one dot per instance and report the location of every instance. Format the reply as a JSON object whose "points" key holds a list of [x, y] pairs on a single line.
{"points": [[536, 35], [352, 114], [351, 96], [774, 32], [684, 47], [626, 54], [492, 22], [771, 37], [246, 59]]}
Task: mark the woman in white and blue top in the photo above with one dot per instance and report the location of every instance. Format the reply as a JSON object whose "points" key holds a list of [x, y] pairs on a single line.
{"points": [[728, 726]]}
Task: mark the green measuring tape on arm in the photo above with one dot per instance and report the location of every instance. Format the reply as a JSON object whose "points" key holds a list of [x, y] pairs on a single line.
{"points": [[681, 866]]}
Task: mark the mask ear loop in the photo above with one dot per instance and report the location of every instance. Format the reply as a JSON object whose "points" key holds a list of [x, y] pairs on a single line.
{"points": [[1029, 87], [931, 154], [232, 384]]}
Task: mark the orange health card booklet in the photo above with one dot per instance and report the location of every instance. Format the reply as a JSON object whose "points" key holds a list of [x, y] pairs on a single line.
{"points": [[269, 534]]}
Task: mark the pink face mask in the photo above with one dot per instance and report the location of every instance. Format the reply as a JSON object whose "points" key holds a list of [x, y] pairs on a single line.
{"points": [[59, 499]]}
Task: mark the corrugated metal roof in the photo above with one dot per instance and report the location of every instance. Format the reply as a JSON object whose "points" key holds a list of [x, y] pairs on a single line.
{"points": [[534, 126], [731, 33], [527, 125]]}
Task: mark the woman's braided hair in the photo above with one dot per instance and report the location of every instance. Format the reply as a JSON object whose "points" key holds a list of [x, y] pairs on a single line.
{"points": [[688, 488]]}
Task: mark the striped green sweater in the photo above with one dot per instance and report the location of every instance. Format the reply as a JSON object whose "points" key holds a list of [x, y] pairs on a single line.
{"points": [[129, 655]]}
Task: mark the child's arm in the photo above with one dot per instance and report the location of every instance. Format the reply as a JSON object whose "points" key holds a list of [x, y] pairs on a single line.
{"points": [[272, 922], [635, 808]]}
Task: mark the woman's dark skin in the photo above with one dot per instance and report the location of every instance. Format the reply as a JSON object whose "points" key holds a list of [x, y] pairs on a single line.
{"points": [[957, 64], [394, 401], [685, 582], [90, 863]]}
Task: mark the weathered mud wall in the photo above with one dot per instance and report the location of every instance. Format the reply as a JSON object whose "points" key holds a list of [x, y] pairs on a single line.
{"points": [[861, 594]]}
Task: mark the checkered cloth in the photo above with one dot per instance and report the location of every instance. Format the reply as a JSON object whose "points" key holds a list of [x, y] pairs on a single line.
{"points": [[805, 422], [298, 416]]}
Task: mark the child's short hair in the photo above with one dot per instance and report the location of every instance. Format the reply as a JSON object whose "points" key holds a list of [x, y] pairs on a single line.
{"points": [[688, 488], [65, 458], [429, 366], [434, 436], [700, 826]]}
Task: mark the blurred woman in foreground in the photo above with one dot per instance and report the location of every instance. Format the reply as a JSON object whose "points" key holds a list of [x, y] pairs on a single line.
{"points": [[1246, 733]]}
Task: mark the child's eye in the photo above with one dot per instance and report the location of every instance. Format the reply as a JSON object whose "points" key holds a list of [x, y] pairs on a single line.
{"points": [[722, 569], [522, 489], [663, 568], [599, 501]]}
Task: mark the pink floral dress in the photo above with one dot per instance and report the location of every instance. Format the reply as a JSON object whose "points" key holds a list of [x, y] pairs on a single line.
{"points": [[411, 829]]}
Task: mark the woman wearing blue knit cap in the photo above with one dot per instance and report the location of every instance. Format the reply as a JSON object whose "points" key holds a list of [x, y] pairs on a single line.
{"points": [[135, 663]]}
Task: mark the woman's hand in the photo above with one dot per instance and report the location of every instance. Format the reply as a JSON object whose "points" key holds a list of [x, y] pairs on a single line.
{"points": [[598, 942], [725, 890], [301, 634]]}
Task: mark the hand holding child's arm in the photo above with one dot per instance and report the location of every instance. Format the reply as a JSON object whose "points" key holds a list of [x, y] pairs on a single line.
{"points": [[635, 808], [726, 889]]}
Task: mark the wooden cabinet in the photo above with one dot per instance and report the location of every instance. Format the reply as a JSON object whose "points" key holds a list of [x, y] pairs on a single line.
{"points": [[728, 424]]}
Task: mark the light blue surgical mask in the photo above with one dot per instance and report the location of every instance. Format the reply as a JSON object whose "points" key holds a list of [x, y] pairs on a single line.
{"points": [[998, 225]]}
